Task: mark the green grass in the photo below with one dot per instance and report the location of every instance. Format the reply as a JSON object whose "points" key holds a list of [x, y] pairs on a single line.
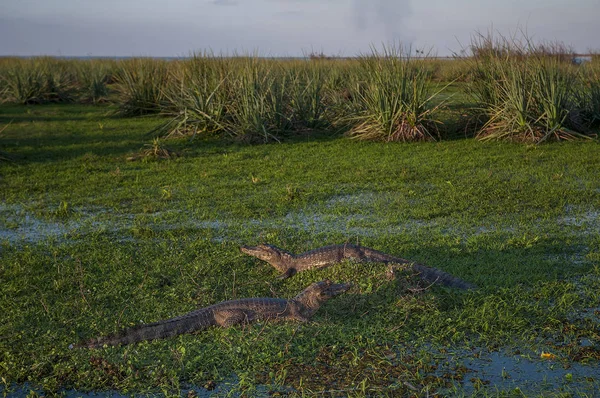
{"points": [[91, 243]]}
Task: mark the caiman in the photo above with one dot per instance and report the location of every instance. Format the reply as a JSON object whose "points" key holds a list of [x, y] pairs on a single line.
{"points": [[229, 313], [289, 264]]}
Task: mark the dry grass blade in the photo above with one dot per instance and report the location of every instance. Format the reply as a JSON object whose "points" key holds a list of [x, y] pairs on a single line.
{"points": [[3, 155], [154, 151]]}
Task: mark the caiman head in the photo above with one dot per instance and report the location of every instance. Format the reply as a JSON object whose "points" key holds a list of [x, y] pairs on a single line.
{"points": [[319, 292], [275, 256]]}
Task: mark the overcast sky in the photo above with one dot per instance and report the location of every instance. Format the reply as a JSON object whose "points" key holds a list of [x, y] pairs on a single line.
{"points": [[281, 27]]}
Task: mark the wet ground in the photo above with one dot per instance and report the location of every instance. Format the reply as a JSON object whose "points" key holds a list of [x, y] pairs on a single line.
{"points": [[351, 217], [523, 373]]}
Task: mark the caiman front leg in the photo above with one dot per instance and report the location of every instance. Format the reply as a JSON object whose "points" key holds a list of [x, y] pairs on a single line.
{"points": [[288, 273], [227, 318], [296, 314]]}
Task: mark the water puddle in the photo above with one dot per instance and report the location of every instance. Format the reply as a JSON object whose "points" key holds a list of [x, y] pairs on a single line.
{"points": [[19, 226], [363, 199], [31, 229], [590, 314], [352, 215], [581, 218], [527, 374], [227, 388]]}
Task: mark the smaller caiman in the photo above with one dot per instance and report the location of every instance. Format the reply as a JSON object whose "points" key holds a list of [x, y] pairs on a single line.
{"points": [[229, 313], [289, 264]]}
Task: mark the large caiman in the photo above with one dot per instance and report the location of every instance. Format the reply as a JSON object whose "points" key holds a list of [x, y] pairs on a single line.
{"points": [[229, 313]]}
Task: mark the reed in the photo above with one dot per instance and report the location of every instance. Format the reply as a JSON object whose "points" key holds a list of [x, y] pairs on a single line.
{"points": [[37, 81], [140, 85], [393, 99], [527, 92]]}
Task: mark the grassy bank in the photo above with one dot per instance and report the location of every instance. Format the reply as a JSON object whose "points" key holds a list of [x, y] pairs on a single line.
{"points": [[92, 243]]}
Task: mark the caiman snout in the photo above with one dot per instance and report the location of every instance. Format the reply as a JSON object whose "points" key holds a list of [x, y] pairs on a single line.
{"points": [[248, 249], [330, 289], [271, 254], [258, 251]]}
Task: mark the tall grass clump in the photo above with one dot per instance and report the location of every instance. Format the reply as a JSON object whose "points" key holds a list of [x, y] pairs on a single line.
{"points": [[393, 99], [527, 92], [589, 96], [308, 94], [258, 107], [195, 98], [140, 84], [61, 80], [22, 83], [592, 105], [37, 81], [246, 98], [93, 77]]}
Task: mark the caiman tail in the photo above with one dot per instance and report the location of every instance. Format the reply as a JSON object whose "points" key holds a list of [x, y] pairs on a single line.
{"points": [[434, 275], [430, 274], [187, 323]]}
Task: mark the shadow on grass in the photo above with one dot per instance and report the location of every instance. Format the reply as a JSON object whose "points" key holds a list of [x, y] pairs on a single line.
{"points": [[37, 134], [55, 112], [50, 148]]}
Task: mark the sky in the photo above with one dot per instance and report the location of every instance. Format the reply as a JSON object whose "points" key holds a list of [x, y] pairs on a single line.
{"points": [[170, 28]]}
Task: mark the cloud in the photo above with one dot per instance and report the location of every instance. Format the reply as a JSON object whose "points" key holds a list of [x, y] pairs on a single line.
{"points": [[68, 38], [391, 15], [225, 2], [291, 14]]}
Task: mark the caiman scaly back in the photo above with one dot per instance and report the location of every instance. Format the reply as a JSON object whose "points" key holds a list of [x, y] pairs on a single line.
{"points": [[288, 264]]}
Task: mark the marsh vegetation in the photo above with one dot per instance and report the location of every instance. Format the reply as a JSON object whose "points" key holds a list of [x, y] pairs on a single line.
{"points": [[91, 243], [515, 89]]}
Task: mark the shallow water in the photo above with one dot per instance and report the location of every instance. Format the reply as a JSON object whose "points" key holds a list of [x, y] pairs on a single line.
{"points": [[529, 375], [492, 371], [226, 388], [581, 217], [337, 216]]}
